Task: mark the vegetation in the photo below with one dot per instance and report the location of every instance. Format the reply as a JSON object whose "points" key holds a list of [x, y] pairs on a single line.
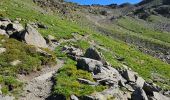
{"points": [[66, 79], [10, 84], [67, 84], [30, 60], [144, 29]]}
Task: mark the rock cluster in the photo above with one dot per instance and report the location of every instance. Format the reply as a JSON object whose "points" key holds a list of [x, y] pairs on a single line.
{"points": [[72, 51], [29, 34], [136, 88]]}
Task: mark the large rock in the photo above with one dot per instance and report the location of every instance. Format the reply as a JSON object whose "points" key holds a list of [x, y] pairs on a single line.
{"points": [[4, 23], [159, 96], [89, 65], [14, 27], [94, 54], [139, 94], [33, 37], [129, 75], [108, 76], [140, 82], [150, 88]]}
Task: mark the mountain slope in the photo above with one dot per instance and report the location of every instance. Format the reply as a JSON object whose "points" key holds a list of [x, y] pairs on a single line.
{"points": [[124, 38]]}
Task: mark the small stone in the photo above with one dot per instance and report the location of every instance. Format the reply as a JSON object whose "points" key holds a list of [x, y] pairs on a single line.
{"points": [[2, 50], [73, 97], [16, 62]]}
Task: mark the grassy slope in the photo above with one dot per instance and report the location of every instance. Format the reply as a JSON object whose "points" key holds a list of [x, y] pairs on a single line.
{"points": [[25, 9], [143, 29], [143, 64]]}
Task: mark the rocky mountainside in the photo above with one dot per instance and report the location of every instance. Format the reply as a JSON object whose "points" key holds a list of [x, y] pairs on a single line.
{"points": [[56, 50]]}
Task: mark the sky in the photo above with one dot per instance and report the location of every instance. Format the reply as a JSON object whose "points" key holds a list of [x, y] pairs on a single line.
{"points": [[103, 2]]}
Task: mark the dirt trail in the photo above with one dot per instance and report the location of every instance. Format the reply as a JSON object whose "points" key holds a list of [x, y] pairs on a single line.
{"points": [[38, 85]]}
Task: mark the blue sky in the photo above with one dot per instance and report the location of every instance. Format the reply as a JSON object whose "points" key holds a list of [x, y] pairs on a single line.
{"points": [[103, 2]]}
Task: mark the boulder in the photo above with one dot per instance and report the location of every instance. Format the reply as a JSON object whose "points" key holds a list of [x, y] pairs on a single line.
{"points": [[108, 76], [159, 96], [73, 97], [4, 23], [150, 88], [32, 37], [2, 50], [140, 82], [129, 75], [93, 54], [90, 65], [15, 27], [139, 94]]}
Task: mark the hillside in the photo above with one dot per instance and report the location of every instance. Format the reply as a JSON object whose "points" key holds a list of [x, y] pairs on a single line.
{"points": [[56, 50]]}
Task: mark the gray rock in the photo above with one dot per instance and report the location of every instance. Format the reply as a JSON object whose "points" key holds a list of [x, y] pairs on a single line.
{"points": [[72, 51], [167, 93], [4, 23], [129, 88], [129, 75], [108, 76], [14, 27], [140, 82], [89, 65], [110, 94], [6, 97], [2, 50], [150, 88], [33, 37], [94, 54], [73, 97], [3, 32], [159, 96], [139, 94], [85, 81]]}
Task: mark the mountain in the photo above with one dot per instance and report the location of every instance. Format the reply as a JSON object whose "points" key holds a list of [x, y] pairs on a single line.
{"points": [[57, 50]]}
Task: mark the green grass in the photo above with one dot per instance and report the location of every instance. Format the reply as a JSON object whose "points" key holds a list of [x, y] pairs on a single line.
{"points": [[143, 29], [67, 84], [10, 84], [30, 59]]}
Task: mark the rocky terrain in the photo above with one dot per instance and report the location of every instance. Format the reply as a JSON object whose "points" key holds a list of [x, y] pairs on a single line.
{"points": [[57, 50]]}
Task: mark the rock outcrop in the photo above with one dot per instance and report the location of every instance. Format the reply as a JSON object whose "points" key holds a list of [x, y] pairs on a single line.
{"points": [[32, 37], [136, 87]]}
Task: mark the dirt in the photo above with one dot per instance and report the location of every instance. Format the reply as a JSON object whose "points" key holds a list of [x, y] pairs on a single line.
{"points": [[38, 85]]}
